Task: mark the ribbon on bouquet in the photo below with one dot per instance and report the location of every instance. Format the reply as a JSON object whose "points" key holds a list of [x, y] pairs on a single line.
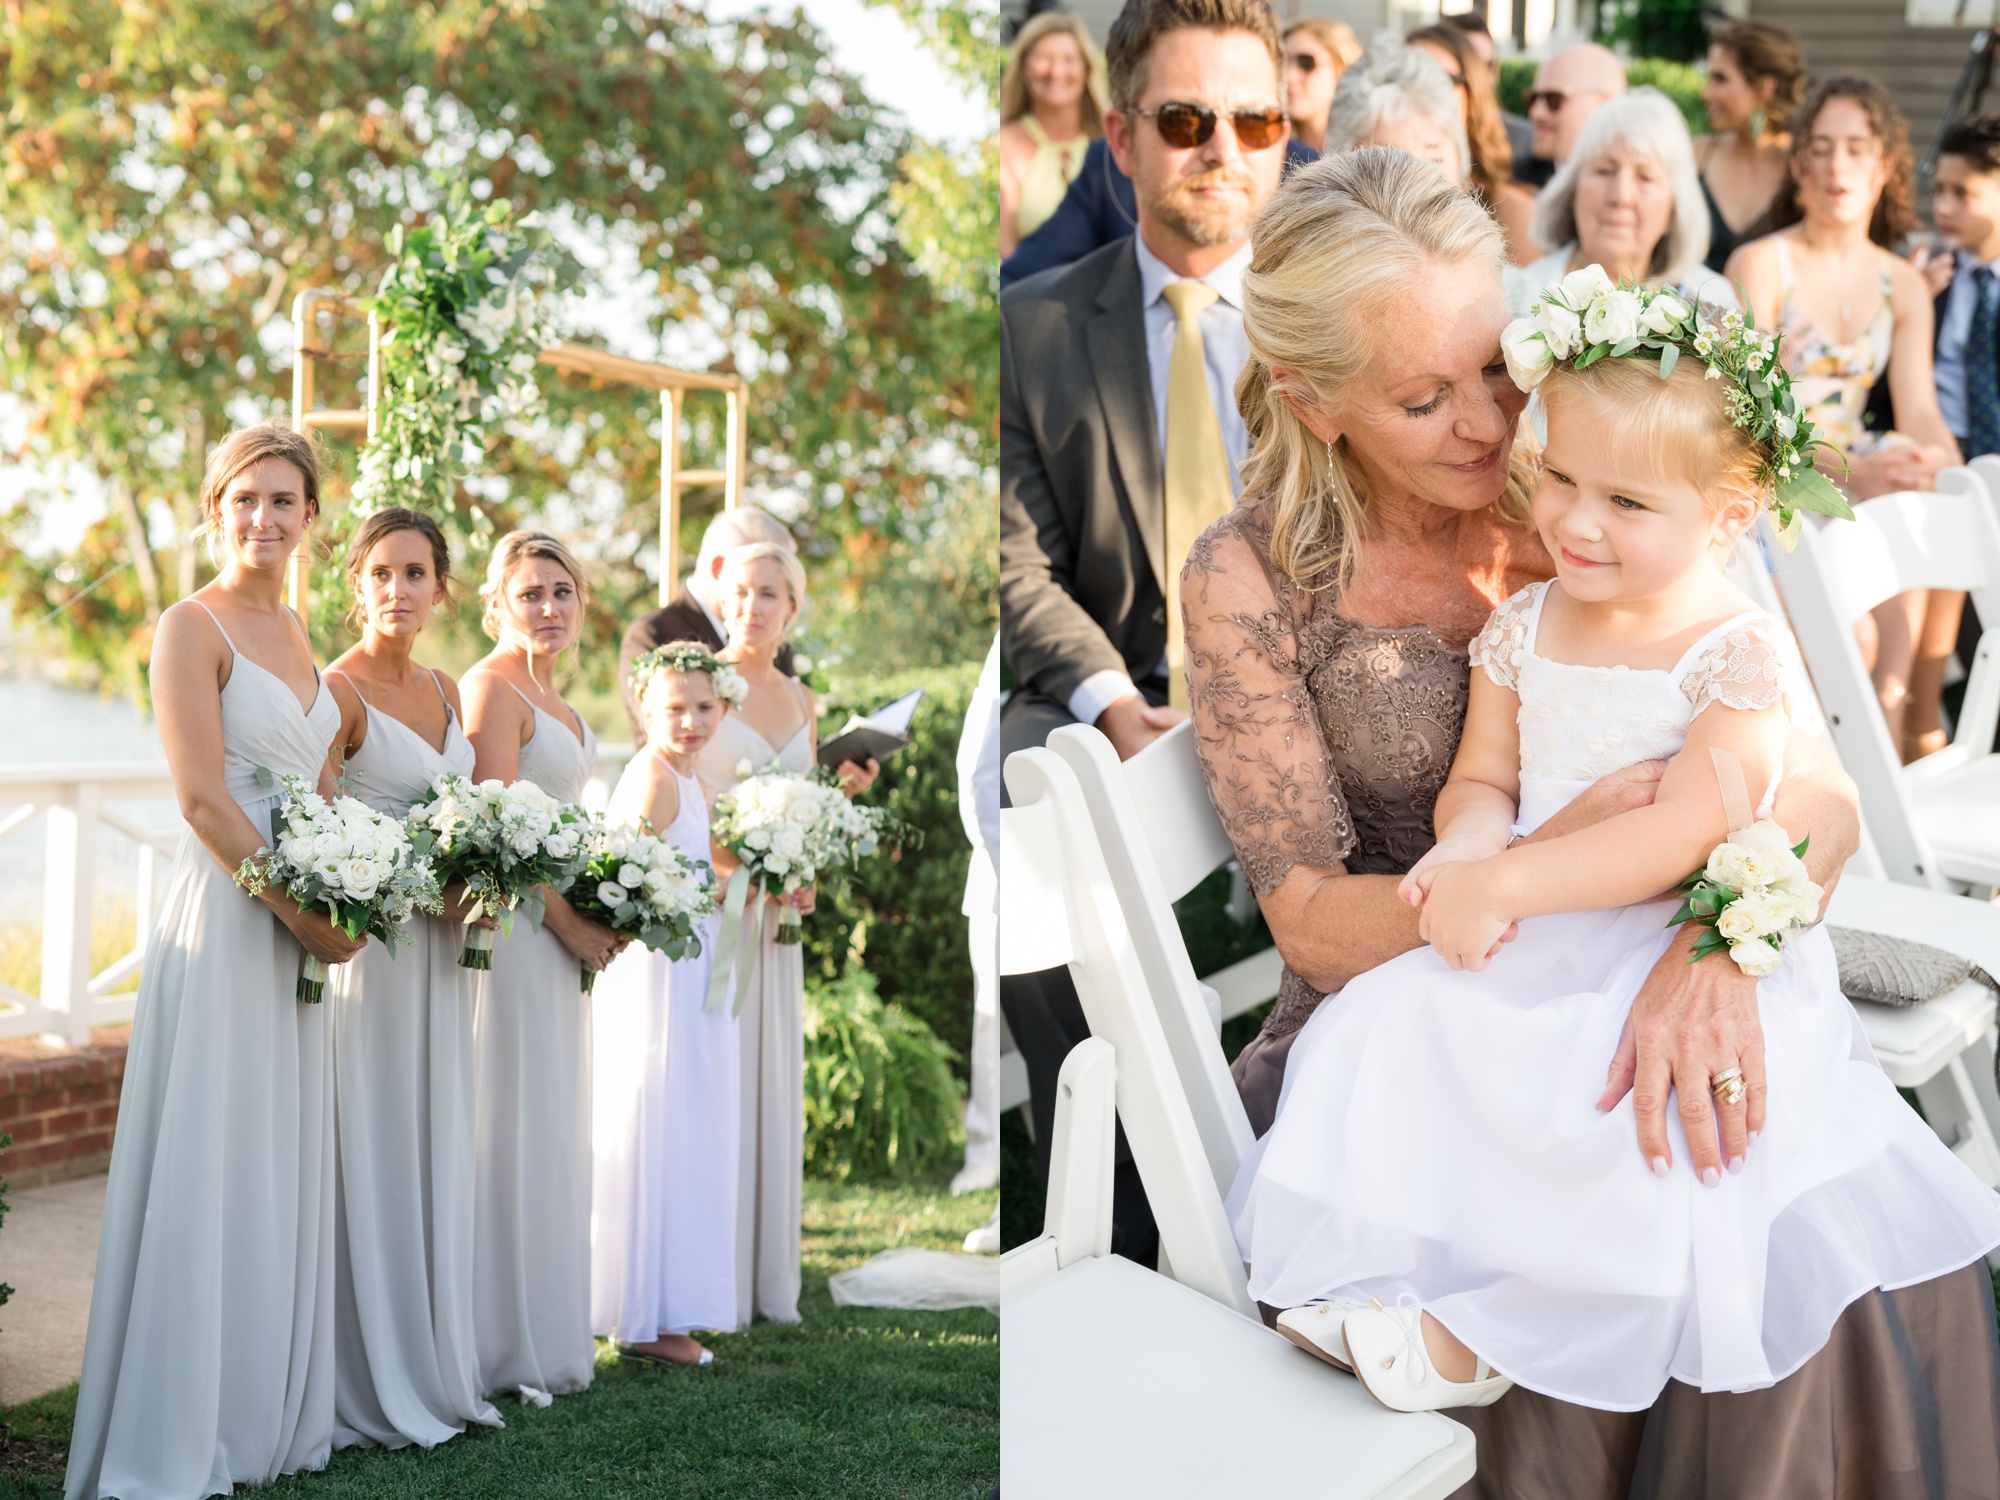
{"points": [[736, 936]]}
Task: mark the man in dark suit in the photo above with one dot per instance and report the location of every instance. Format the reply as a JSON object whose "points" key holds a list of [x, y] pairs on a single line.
{"points": [[1119, 435], [689, 617], [1097, 209]]}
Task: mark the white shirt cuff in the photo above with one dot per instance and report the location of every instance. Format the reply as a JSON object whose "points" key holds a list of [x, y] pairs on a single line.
{"points": [[1098, 692]]}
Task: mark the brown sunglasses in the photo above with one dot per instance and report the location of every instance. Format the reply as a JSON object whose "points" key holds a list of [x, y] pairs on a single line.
{"points": [[1186, 125]]}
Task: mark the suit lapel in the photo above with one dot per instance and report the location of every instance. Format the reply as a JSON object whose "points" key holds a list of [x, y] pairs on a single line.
{"points": [[1116, 337]]}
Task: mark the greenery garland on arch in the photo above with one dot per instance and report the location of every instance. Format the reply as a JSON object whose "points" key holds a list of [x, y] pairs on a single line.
{"points": [[468, 302]]}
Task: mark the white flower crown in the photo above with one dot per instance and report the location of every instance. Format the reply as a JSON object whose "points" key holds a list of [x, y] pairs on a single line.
{"points": [[691, 656], [1586, 317]]}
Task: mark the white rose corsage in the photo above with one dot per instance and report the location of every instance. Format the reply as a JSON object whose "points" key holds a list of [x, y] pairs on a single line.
{"points": [[1753, 890]]}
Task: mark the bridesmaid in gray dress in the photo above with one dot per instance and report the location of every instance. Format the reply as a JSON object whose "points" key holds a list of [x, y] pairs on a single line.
{"points": [[531, 1276], [406, 1363], [1327, 620]]}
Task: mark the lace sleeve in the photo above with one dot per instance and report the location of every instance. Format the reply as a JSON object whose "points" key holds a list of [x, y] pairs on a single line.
{"points": [[1498, 648], [1267, 767], [1753, 666]]}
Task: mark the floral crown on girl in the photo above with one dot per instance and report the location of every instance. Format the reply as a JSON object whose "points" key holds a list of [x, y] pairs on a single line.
{"points": [[1586, 317], [691, 656]]}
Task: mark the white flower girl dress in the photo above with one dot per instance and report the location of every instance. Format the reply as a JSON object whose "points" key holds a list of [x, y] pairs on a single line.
{"points": [[1438, 1132]]}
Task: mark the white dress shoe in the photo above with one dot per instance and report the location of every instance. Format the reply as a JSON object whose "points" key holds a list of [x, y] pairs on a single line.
{"points": [[1315, 1328], [1386, 1347]]}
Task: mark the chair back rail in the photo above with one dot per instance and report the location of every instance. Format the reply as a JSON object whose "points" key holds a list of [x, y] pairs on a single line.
{"points": [[1111, 985], [1154, 857]]}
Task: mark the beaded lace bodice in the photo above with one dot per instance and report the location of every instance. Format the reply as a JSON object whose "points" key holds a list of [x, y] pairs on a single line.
{"points": [[1581, 722]]}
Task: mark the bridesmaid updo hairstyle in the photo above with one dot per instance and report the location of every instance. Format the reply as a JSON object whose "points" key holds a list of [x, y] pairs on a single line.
{"points": [[513, 549], [787, 561], [241, 450], [386, 523], [1679, 425], [1336, 242]]}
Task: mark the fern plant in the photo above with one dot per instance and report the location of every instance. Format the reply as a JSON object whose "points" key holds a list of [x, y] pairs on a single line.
{"points": [[880, 1099]]}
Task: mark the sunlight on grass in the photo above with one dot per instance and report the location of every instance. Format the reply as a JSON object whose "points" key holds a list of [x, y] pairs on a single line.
{"points": [[112, 926]]}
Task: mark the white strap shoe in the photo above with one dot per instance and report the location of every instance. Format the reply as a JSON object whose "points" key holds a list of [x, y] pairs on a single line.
{"points": [[1315, 1328], [1386, 1347]]}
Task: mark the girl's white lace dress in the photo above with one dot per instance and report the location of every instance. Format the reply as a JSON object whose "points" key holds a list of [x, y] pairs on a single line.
{"points": [[1438, 1132]]}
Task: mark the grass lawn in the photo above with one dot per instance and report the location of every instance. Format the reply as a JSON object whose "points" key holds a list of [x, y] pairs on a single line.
{"points": [[853, 1402]]}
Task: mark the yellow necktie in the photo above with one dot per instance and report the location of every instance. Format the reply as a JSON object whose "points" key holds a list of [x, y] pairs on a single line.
{"points": [[1198, 492]]}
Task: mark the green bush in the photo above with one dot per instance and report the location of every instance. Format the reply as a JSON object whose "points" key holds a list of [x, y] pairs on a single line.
{"points": [[1673, 29], [901, 917], [880, 1098], [1679, 81]]}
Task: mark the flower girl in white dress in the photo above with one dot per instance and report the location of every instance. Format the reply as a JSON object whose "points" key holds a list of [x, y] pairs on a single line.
{"points": [[663, 1203], [209, 1360], [1439, 1204], [406, 1360]]}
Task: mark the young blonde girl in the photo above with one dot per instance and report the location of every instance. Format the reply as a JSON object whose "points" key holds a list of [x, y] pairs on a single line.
{"points": [[663, 1201], [1440, 1205]]}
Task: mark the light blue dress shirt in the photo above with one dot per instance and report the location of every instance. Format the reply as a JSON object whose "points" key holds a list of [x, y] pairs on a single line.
{"points": [[1225, 351], [1953, 335]]}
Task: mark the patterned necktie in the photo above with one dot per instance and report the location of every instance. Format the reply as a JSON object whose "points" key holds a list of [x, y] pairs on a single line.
{"points": [[1982, 368], [1198, 492]]}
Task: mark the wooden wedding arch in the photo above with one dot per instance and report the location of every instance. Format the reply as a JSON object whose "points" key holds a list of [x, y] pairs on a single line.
{"points": [[316, 319]]}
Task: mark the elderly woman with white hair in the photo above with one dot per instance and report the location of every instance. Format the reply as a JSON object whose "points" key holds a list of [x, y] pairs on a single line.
{"points": [[1398, 96], [1629, 200]]}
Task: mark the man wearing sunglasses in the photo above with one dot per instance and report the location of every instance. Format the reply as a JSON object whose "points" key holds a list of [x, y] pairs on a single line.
{"points": [[1119, 434], [1569, 88]]}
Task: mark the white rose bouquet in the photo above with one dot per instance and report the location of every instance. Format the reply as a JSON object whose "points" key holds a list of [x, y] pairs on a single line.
{"points": [[1753, 890], [501, 842], [636, 882], [347, 860], [790, 832]]}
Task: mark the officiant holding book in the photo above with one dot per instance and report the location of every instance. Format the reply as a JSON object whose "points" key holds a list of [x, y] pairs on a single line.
{"points": [[692, 616]]}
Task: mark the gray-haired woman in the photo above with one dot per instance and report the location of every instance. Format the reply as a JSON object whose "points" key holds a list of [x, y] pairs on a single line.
{"points": [[1398, 96], [1629, 200]]}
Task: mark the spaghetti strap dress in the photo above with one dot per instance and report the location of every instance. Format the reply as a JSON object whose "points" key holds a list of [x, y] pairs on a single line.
{"points": [[209, 1360], [406, 1362], [1832, 380], [771, 1038], [666, 1086], [531, 1197]]}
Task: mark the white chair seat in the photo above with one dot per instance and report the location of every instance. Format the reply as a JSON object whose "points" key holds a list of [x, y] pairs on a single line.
{"points": [[1203, 1402], [1959, 812], [1914, 1042]]}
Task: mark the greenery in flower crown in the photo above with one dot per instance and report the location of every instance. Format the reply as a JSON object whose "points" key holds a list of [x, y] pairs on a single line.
{"points": [[690, 656], [1586, 317], [468, 303]]}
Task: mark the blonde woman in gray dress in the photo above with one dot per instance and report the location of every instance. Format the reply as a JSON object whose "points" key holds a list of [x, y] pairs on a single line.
{"points": [[209, 1361], [759, 594], [531, 1195], [406, 1364]]}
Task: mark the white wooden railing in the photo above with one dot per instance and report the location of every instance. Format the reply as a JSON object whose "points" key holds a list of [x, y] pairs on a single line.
{"points": [[73, 800]]}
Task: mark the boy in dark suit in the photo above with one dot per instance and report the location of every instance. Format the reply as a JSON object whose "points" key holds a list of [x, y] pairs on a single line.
{"points": [[1967, 211]]}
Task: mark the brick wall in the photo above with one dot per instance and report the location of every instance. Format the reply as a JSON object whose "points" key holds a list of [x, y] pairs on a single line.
{"points": [[60, 1106]]}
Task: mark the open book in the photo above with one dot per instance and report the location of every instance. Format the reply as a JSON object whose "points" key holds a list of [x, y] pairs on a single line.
{"points": [[881, 734]]}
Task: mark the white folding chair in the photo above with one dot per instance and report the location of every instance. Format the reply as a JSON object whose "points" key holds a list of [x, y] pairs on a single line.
{"points": [[1117, 1380], [1935, 822]]}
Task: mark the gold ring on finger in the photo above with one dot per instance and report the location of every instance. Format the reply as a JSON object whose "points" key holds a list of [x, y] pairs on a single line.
{"points": [[1728, 1085]]}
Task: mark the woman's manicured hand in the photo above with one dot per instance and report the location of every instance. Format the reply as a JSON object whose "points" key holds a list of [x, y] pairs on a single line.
{"points": [[319, 937]]}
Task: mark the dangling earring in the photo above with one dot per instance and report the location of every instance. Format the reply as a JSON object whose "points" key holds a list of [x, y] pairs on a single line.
{"points": [[1329, 463], [1757, 123]]}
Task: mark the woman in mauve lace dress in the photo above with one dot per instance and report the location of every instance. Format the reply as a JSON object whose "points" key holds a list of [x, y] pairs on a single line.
{"points": [[1383, 452]]}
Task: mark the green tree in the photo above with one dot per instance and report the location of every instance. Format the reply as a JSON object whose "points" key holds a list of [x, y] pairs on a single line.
{"points": [[172, 174]]}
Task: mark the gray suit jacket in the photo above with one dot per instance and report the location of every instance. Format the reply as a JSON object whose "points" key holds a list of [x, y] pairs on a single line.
{"points": [[1082, 505]]}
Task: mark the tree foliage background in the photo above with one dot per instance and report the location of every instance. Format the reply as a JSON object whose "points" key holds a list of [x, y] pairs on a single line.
{"points": [[172, 174]]}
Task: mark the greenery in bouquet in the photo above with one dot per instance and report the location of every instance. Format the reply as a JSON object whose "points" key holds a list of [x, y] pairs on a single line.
{"points": [[342, 858], [468, 302], [637, 883], [502, 842], [793, 831]]}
